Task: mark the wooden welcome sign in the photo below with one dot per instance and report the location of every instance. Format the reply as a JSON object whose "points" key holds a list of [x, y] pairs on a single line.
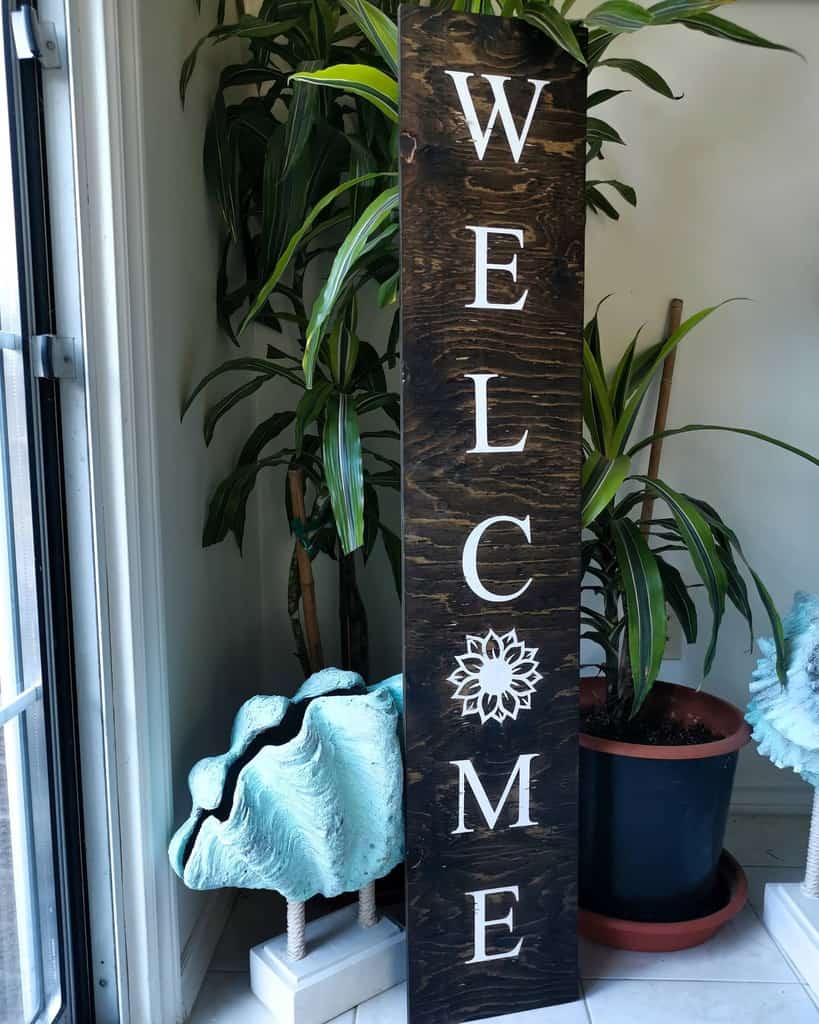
{"points": [[492, 219]]}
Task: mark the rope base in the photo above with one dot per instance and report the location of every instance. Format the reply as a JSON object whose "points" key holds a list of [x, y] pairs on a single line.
{"points": [[811, 884], [367, 910], [296, 943]]}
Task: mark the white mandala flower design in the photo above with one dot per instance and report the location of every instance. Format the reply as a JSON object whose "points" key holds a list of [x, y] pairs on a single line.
{"points": [[496, 677]]}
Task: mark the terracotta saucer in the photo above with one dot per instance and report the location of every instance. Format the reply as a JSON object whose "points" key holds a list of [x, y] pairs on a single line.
{"points": [[657, 937]]}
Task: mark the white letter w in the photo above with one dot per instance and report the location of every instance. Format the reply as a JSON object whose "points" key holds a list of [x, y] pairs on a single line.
{"points": [[479, 136]]}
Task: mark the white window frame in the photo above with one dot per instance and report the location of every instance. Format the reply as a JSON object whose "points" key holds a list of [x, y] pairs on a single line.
{"points": [[96, 157]]}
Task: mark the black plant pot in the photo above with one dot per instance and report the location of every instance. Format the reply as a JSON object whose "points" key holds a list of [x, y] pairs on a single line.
{"points": [[652, 818]]}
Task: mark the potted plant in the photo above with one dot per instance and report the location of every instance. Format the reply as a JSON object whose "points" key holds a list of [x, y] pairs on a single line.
{"points": [[629, 577], [657, 760]]}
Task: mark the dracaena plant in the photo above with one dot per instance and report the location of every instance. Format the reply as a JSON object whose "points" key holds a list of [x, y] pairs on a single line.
{"points": [[630, 575], [291, 167]]}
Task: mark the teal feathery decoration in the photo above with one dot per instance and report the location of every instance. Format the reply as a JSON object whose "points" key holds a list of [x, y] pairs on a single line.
{"points": [[785, 719]]}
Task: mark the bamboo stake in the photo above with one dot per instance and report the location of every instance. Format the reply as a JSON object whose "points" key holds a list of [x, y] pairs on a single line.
{"points": [[675, 309], [315, 655]]}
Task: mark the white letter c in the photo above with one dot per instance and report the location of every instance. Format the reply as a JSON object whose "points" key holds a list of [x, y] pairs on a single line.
{"points": [[470, 558]]}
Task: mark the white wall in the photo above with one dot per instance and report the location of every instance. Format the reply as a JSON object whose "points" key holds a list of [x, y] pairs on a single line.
{"points": [[728, 206], [213, 606]]}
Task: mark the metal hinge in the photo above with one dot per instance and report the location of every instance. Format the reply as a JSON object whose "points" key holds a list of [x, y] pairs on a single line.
{"points": [[53, 357], [34, 38]]}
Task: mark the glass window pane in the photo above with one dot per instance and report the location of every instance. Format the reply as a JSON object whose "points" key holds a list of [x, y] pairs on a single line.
{"points": [[29, 953], [30, 960]]}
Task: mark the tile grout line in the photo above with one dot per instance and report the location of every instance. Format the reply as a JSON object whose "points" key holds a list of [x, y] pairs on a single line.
{"points": [[700, 981], [792, 967], [586, 1006]]}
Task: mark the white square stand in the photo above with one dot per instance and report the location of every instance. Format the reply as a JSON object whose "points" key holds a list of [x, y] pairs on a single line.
{"points": [[345, 965], [792, 918]]}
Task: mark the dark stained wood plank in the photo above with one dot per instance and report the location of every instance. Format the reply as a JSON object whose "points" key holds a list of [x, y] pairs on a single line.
{"points": [[447, 492]]}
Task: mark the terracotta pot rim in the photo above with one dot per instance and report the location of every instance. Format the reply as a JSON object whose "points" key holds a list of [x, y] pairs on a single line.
{"points": [[658, 936], [696, 751]]}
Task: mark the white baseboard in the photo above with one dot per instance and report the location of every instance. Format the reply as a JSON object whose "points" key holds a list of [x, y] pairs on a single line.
{"points": [[772, 800], [792, 918], [201, 945]]}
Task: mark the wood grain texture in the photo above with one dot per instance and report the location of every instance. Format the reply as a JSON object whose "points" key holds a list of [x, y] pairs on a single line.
{"points": [[447, 492]]}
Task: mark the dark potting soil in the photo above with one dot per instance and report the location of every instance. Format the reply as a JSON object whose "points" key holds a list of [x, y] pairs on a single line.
{"points": [[667, 732]]}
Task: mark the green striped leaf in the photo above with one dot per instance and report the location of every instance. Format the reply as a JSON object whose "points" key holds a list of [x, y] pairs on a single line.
{"points": [[247, 364], [599, 398], [228, 401], [621, 378], [594, 618], [341, 450], [350, 249], [668, 11], [264, 434], [632, 407], [228, 506], [737, 590], [618, 16], [601, 131], [677, 597], [646, 442], [245, 29], [722, 29], [643, 73], [598, 203], [388, 290], [378, 28], [603, 96], [699, 541], [361, 80], [305, 232], [599, 42], [626, 191], [343, 349], [301, 117], [600, 481], [552, 24], [776, 626], [645, 607], [712, 517], [591, 332], [311, 405]]}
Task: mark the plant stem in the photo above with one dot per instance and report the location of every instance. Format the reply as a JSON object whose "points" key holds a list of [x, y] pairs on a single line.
{"points": [[295, 479], [352, 618]]}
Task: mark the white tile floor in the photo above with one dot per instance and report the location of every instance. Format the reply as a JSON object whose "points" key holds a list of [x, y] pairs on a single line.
{"points": [[739, 976]]}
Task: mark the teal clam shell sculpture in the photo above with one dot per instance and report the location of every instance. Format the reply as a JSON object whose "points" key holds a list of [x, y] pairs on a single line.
{"points": [[785, 719], [307, 800]]}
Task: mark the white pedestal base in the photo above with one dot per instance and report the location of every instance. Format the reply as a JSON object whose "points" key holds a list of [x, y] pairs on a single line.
{"points": [[345, 965], [792, 918]]}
